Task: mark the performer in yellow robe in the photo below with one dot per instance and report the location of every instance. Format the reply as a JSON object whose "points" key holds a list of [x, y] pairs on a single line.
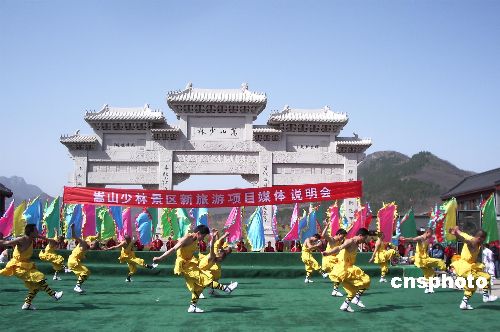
{"points": [[127, 255], [328, 262], [75, 260], [467, 266], [186, 265], [311, 244], [422, 260], [354, 280], [210, 263], [382, 256], [49, 254], [20, 266]]}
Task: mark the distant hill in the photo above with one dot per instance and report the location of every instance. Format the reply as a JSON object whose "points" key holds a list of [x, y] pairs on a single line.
{"points": [[22, 190], [417, 181]]}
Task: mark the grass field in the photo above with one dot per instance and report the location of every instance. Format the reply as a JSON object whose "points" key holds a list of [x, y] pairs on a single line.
{"points": [[156, 303]]}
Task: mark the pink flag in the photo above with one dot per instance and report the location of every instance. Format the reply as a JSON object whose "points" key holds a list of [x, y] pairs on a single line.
{"points": [[7, 221], [295, 215], [359, 221], [127, 224], [333, 212], [386, 217], [368, 217], [293, 235], [89, 223], [233, 225]]}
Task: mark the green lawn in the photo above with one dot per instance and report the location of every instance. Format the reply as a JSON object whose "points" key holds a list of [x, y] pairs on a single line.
{"points": [[157, 303]]}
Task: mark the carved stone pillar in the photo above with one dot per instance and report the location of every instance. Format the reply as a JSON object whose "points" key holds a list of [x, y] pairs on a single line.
{"points": [[80, 175], [165, 167], [350, 174], [266, 180]]}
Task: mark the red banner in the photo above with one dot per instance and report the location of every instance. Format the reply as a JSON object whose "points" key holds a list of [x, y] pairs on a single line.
{"points": [[214, 198]]}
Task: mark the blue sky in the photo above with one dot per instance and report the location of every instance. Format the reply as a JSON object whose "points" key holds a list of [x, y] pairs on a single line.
{"points": [[412, 75]]}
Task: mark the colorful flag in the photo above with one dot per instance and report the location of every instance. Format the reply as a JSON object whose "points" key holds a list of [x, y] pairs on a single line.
{"points": [[489, 220], [333, 213], [153, 212], [274, 223], [116, 214], [74, 217], [200, 215], [233, 225], [386, 217], [293, 234], [51, 218], [33, 214], [369, 216], [359, 221], [307, 224], [128, 229], [407, 225], [450, 210], [255, 230], [170, 224], [183, 220], [295, 215], [105, 223], [7, 220], [19, 222], [89, 221], [144, 226]]}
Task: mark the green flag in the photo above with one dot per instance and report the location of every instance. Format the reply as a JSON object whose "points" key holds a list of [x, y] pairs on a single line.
{"points": [[51, 218], [408, 227], [104, 223], [170, 224], [489, 218], [184, 223], [154, 217]]}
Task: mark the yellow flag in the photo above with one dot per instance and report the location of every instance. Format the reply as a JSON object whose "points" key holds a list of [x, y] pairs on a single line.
{"points": [[450, 208], [19, 221]]}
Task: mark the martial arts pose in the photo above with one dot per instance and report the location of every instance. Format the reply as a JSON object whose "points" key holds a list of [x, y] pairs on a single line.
{"points": [[328, 262], [75, 260], [311, 244], [382, 256], [21, 267], [354, 280], [210, 263], [422, 260], [50, 255], [186, 265], [127, 255], [467, 266]]}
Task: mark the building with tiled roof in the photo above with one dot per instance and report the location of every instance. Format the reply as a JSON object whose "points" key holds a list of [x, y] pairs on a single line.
{"points": [[473, 189], [217, 101]]}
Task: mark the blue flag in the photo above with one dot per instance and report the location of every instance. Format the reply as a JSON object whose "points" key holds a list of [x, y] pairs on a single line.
{"points": [[144, 226], [34, 214], [255, 230], [116, 214], [200, 215], [74, 216], [307, 225]]}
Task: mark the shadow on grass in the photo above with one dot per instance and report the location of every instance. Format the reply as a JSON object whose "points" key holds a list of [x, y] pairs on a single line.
{"points": [[245, 295], [389, 307], [84, 306], [8, 290], [240, 309], [491, 307], [113, 293]]}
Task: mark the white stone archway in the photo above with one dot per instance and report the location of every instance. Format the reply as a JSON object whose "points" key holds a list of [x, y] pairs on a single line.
{"points": [[215, 135]]}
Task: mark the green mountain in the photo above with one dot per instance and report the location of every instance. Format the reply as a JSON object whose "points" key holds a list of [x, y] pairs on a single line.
{"points": [[417, 181]]}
